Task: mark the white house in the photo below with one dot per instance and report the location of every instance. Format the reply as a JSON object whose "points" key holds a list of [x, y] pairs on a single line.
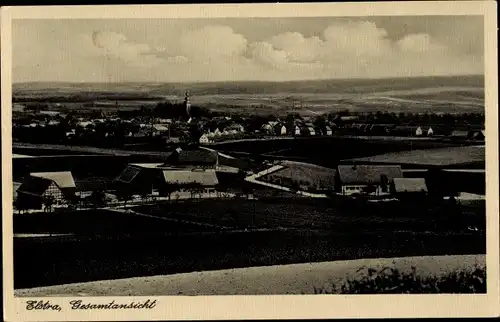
{"points": [[266, 128], [297, 130], [311, 131], [239, 127], [430, 131], [283, 130], [217, 132], [419, 131], [328, 130], [204, 139]]}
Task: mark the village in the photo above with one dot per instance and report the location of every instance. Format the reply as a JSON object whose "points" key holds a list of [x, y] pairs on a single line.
{"points": [[136, 130]]}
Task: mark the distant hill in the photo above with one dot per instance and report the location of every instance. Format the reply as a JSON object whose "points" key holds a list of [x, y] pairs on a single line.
{"points": [[444, 94], [256, 87]]}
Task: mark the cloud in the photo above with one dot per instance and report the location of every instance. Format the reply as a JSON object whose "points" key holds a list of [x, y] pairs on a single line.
{"points": [[343, 49]]}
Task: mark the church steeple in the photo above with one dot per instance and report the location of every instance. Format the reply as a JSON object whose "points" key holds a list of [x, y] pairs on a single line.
{"points": [[187, 104]]}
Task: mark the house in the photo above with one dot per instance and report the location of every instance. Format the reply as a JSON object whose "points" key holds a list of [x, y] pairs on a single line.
{"points": [[379, 129], [148, 178], [351, 118], [204, 139], [430, 131], [328, 130], [59, 187], [476, 135], [297, 130], [283, 130], [311, 131], [407, 130], [18, 107], [365, 178], [238, 127], [84, 124], [137, 179], [267, 128], [406, 187], [173, 140], [205, 179], [159, 129], [459, 135]]}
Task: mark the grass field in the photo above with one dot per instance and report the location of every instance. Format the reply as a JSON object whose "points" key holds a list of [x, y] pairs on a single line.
{"points": [[328, 151], [96, 222], [440, 157], [305, 213], [37, 263]]}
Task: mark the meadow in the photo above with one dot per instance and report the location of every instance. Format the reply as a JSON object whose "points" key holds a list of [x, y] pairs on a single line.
{"points": [[92, 259]]}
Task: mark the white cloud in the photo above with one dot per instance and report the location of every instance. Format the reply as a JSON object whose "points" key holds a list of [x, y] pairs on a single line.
{"points": [[218, 53]]}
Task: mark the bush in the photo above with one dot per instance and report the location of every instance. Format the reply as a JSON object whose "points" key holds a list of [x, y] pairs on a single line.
{"points": [[392, 281]]}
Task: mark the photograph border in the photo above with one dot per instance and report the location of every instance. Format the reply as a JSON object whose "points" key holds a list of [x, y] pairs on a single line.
{"points": [[272, 306]]}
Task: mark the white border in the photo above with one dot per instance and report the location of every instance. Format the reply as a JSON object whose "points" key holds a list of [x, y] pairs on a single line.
{"points": [[269, 307]]}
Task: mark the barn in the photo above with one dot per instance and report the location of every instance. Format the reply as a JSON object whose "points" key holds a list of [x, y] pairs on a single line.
{"points": [[351, 179], [39, 187]]}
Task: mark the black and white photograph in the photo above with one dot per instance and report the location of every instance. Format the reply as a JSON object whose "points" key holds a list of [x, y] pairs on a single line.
{"points": [[208, 156]]}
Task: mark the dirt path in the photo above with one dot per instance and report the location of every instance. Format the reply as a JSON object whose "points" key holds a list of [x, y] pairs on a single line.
{"points": [[283, 279]]}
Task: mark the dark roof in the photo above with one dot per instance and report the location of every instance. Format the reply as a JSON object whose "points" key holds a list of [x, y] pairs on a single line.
{"points": [[410, 185], [129, 174], [367, 174], [199, 156], [34, 186]]}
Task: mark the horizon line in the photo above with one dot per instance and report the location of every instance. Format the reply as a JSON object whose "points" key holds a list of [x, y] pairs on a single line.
{"points": [[253, 81]]}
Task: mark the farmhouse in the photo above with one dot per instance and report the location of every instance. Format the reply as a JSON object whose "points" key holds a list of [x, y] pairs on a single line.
{"points": [[297, 130], [408, 187], [141, 179], [185, 179], [328, 130], [58, 187], [365, 178]]}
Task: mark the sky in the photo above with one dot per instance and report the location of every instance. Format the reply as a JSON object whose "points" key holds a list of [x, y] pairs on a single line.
{"points": [[246, 49]]}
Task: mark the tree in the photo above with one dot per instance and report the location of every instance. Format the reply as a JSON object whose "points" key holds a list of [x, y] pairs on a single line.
{"points": [[195, 134], [170, 188], [144, 196], [48, 201], [124, 195], [98, 198]]}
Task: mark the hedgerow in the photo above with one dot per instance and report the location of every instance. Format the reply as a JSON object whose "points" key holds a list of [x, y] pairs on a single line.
{"points": [[390, 280]]}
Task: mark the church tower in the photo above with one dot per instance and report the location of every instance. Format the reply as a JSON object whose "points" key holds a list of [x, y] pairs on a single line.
{"points": [[187, 104]]}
